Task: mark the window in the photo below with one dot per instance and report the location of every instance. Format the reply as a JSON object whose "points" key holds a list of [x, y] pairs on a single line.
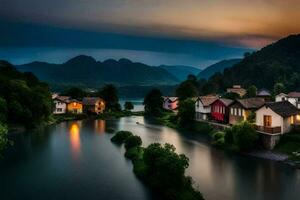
{"points": [[292, 120], [267, 120], [235, 111], [231, 111], [240, 112]]}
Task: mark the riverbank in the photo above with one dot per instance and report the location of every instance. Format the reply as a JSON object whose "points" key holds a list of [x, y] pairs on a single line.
{"points": [[287, 151]]}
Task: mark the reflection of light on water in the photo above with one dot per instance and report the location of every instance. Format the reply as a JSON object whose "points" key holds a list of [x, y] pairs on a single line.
{"points": [[99, 126], [75, 138]]}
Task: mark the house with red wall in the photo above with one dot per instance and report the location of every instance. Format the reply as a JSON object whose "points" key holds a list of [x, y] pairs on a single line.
{"points": [[220, 110], [170, 103]]}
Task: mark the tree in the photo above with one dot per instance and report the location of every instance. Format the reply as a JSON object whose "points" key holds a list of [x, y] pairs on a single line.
{"points": [[75, 93], [153, 103], [110, 95], [3, 137], [231, 95], [121, 136], [186, 90], [128, 105], [133, 141], [186, 112], [251, 91], [243, 135], [278, 88]]}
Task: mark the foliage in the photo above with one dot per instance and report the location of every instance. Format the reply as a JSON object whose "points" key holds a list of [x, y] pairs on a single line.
{"points": [[251, 91], [28, 101], [202, 127], [3, 110], [110, 95], [133, 141], [186, 112], [278, 88], [134, 153], [242, 135], [128, 105], [153, 102], [121, 136], [75, 93], [231, 95], [218, 138], [186, 89], [251, 117], [3, 137]]}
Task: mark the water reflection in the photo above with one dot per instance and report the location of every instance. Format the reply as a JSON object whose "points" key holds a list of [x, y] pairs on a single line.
{"points": [[99, 126], [75, 138]]}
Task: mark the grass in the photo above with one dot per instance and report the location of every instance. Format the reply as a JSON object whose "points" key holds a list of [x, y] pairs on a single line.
{"points": [[290, 145]]}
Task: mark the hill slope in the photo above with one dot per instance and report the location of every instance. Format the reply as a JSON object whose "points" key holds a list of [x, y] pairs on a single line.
{"points": [[86, 71], [217, 67], [180, 71]]}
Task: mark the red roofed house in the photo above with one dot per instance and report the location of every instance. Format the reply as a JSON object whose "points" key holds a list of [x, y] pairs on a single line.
{"points": [[203, 106], [220, 110], [170, 103], [93, 105]]}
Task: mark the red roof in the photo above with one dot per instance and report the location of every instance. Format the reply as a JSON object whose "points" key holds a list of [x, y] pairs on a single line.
{"points": [[294, 94]]}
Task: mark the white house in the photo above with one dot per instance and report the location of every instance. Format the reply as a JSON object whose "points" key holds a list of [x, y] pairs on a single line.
{"points": [[277, 117], [203, 106], [292, 97], [170, 103], [60, 104]]}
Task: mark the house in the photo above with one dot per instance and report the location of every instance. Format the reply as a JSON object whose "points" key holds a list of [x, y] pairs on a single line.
{"points": [[203, 106], [292, 97], [266, 94], [74, 106], [220, 110], [241, 109], [60, 104], [170, 103], [93, 105], [237, 89], [277, 117]]}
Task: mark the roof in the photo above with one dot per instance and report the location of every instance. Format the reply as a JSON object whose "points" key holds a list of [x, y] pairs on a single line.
{"points": [[172, 99], [294, 94], [89, 101], [207, 100], [264, 92], [283, 108], [251, 103], [62, 98], [226, 102]]}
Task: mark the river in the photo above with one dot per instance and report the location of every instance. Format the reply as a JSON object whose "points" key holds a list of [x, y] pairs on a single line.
{"points": [[76, 160]]}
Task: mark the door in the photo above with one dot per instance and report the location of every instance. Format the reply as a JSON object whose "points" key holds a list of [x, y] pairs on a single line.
{"points": [[267, 120]]}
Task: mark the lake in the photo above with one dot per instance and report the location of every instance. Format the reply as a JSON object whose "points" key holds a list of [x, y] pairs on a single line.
{"points": [[76, 160]]}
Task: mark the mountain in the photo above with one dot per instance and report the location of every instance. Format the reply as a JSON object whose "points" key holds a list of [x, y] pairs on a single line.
{"points": [[277, 62], [217, 67], [180, 71], [86, 71]]}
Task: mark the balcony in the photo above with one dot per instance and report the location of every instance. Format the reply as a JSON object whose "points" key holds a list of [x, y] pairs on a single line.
{"points": [[270, 130]]}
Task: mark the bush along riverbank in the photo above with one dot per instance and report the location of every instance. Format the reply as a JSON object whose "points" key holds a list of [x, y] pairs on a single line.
{"points": [[159, 167]]}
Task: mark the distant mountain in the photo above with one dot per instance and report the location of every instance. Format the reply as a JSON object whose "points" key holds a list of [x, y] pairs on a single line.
{"points": [[277, 62], [180, 71], [86, 71], [217, 67]]}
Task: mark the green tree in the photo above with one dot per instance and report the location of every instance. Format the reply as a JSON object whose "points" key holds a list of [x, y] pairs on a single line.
{"points": [[186, 112], [121, 136], [3, 137], [110, 95], [251, 91], [153, 103], [128, 105], [186, 90], [133, 141], [278, 88], [244, 135], [231, 95]]}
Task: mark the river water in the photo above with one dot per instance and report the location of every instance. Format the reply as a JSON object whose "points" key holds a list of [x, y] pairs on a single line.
{"points": [[76, 160]]}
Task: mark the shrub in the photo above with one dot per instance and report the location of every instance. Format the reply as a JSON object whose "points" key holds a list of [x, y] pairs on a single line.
{"points": [[133, 141], [201, 127], [3, 137], [134, 153], [218, 138], [121, 136]]}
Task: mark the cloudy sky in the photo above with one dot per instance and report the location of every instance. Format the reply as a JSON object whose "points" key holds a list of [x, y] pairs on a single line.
{"points": [[191, 32]]}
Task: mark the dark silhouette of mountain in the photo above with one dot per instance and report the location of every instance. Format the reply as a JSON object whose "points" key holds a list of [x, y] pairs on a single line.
{"points": [[276, 63], [217, 67], [86, 71], [180, 71]]}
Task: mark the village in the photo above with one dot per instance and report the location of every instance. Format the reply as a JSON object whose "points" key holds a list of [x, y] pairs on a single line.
{"points": [[271, 119]]}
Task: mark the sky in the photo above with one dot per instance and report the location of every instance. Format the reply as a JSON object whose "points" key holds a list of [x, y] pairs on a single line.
{"points": [[188, 32]]}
